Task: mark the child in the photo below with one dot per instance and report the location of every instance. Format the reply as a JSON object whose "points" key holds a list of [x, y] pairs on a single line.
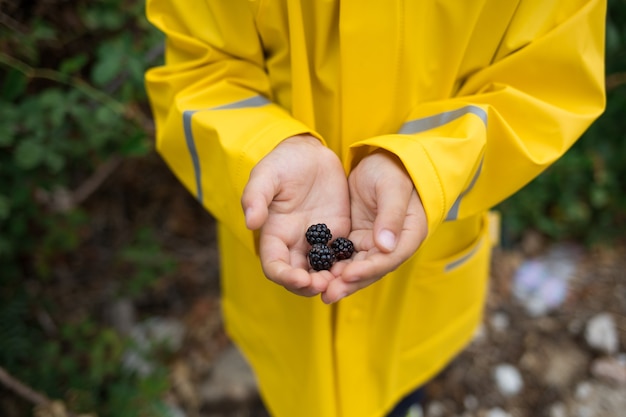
{"points": [[398, 124]]}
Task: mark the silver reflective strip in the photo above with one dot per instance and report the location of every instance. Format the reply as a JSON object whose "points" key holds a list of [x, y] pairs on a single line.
{"points": [[454, 210], [458, 262], [437, 120], [431, 122], [256, 101], [191, 146]]}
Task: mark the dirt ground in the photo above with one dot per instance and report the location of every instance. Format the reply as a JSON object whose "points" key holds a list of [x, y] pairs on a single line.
{"points": [[561, 374]]}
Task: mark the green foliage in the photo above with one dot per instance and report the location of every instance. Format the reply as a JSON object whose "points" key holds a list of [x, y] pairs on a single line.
{"points": [[582, 195], [145, 268], [81, 365], [71, 99], [64, 109]]}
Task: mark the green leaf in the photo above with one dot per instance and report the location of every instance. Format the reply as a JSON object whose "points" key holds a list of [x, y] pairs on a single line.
{"points": [[112, 19], [136, 145], [600, 197], [7, 135], [105, 70], [55, 162], [97, 140], [101, 18], [5, 207], [43, 31], [6, 247], [51, 98], [613, 37], [111, 61], [74, 64], [29, 153], [136, 68], [13, 86], [105, 116]]}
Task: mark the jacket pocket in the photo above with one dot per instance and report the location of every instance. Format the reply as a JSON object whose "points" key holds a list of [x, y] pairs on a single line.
{"points": [[446, 296]]}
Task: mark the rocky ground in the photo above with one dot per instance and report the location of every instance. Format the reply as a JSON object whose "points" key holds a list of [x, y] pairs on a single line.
{"points": [[552, 343], [559, 361]]}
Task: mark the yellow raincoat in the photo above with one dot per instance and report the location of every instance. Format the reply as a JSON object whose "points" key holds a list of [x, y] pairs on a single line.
{"points": [[475, 97]]}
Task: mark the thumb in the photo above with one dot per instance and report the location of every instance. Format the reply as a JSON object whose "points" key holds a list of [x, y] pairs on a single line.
{"points": [[391, 211], [256, 198]]}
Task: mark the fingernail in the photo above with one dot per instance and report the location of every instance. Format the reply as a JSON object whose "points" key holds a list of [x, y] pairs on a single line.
{"points": [[387, 239]]}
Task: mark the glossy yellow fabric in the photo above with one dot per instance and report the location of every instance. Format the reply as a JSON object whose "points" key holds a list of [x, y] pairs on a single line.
{"points": [[476, 98]]}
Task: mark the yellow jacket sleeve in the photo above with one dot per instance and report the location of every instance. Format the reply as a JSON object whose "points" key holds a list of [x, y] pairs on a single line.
{"points": [[507, 121], [212, 101]]}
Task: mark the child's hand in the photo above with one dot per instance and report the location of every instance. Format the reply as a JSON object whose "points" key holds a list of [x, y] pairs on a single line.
{"points": [[388, 224], [299, 183]]}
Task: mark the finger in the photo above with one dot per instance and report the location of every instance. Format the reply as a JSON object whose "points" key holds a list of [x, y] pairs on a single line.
{"points": [[364, 270], [319, 283], [278, 266], [299, 281], [256, 198], [392, 202], [371, 267], [338, 289]]}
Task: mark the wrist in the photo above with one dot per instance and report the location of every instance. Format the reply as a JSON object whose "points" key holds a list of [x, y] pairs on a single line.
{"points": [[303, 138]]}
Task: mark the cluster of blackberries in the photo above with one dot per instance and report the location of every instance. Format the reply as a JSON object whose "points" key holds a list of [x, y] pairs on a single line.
{"points": [[322, 255]]}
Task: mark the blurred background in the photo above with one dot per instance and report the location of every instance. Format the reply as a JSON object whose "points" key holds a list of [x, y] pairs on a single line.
{"points": [[109, 292]]}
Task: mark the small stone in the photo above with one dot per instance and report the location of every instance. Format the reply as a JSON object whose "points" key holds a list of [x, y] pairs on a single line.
{"points": [[601, 333], [500, 322], [415, 411], [561, 364], [508, 379], [584, 411], [497, 412], [121, 315], [435, 409], [602, 400], [558, 410], [470, 402], [609, 369], [232, 379], [480, 335], [583, 390], [164, 333]]}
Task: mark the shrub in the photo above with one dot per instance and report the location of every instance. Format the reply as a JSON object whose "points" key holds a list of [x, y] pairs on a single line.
{"points": [[68, 111], [582, 195]]}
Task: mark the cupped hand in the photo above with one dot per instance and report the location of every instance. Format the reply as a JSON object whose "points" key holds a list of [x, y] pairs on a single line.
{"points": [[299, 183], [388, 224]]}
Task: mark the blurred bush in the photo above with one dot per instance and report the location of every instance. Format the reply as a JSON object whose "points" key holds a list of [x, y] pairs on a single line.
{"points": [[583, 195], [72, 106]]}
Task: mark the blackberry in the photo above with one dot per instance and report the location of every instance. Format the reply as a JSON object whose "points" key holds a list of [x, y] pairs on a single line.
{"points": [[342, 247], [318, 233], [321, 257]]}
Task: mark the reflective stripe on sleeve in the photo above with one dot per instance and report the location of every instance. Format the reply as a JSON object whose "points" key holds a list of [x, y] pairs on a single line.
{"points": [[256, 101], [454, 210], [434, 121], [437, 120]]}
